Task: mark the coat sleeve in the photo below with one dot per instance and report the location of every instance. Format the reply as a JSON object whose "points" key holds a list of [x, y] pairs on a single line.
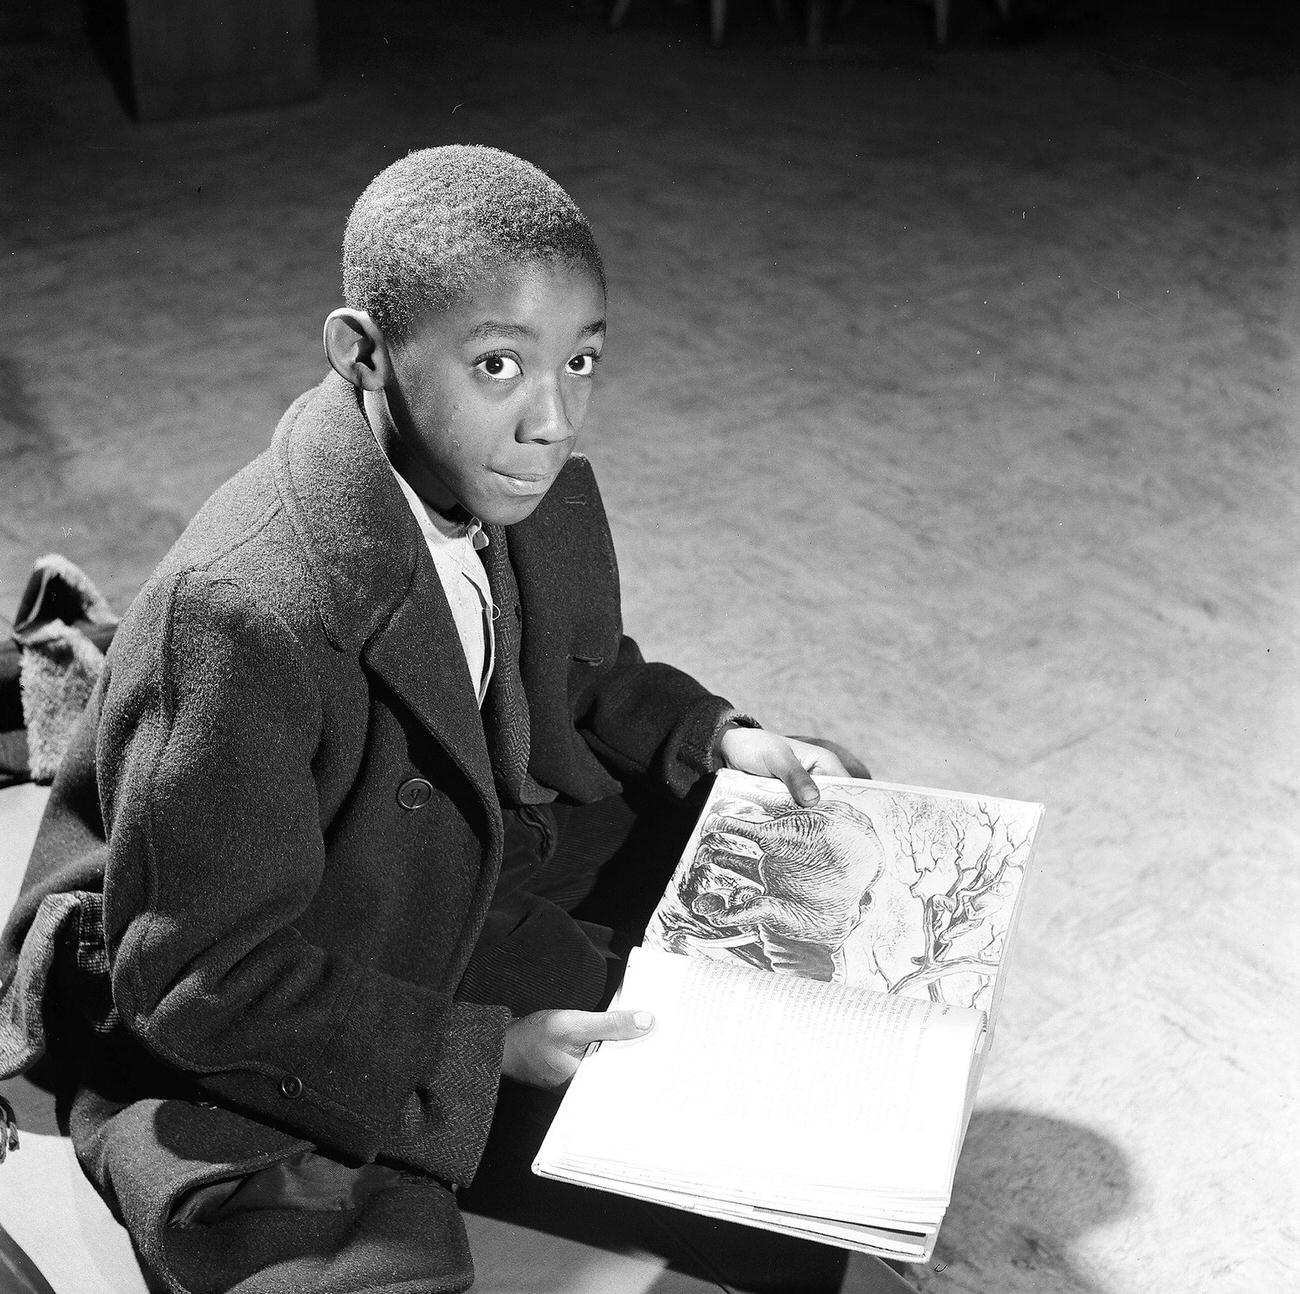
{"points": [[210, 722], [644, 718]]}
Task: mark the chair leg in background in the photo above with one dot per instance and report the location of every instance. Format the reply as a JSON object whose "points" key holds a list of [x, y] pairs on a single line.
{"points": [[717, 20], [816, 23]]}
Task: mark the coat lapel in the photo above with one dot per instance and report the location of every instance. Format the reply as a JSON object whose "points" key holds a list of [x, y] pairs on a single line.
{"points": [[563, 573], [375, 585], [418, 654]]}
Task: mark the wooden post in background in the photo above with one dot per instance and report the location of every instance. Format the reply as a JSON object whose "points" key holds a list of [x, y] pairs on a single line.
{"points": [[190, 59]]}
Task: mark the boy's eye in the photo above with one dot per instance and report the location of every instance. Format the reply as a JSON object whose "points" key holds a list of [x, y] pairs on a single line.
{"points": [[583, 365], [501, 367]]}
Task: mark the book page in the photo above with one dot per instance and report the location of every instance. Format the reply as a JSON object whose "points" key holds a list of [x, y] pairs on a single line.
{"points": [[899, 889], [820, 1098], [913, 1245]]}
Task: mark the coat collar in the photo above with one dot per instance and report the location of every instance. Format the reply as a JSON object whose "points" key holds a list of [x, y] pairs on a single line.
{"points": [[361, 543], [373, 581], [374, 584]]}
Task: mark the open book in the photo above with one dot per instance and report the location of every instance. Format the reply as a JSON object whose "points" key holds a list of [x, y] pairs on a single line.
{"points": [[824, 983]]}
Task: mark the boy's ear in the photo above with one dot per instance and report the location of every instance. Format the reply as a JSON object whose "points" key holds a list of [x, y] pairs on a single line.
{"points": [[356, 349]]}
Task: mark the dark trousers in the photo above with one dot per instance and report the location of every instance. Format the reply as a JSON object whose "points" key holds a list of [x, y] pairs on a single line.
{"points": [[577, 886]]}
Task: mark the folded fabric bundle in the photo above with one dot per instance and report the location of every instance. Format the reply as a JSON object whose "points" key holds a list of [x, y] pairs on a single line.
{"points": [[49, 667]]}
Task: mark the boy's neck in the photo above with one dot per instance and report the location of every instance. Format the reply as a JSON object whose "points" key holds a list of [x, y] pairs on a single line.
{"points": [[374, 405]]}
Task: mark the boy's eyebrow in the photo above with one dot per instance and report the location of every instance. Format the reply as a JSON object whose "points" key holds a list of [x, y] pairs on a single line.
{"points": [[501, 328]]}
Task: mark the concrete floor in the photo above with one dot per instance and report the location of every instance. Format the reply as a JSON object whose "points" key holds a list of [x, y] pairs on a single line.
{"points": [[949, 411]]}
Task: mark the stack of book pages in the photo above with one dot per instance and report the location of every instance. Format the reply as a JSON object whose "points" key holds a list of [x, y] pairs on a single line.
{"points": [[824, 982]]}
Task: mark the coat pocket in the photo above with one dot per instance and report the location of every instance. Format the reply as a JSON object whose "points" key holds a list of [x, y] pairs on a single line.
{"points": [[305, 1180], [175, 1169]]}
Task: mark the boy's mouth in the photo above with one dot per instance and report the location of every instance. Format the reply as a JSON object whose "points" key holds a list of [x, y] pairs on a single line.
{"points": [[525, 483]]}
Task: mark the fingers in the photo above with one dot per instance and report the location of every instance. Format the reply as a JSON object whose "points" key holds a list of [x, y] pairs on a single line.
{"points": [[798, 781], [753, 750], [849, 764], [577, 1030], [819, 759]]}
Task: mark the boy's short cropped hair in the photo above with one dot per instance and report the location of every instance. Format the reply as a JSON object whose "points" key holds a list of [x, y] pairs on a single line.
{"points": [[432, 224]]}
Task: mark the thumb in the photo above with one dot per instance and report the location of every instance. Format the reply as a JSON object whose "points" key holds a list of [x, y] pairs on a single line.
{"points": [[585, 1027]]}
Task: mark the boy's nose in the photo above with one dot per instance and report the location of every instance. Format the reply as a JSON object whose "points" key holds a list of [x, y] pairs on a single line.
{"points": [[546, 418]]}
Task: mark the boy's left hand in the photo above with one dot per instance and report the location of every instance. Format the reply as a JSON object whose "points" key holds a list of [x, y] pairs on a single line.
{"points": [[768, 754]]}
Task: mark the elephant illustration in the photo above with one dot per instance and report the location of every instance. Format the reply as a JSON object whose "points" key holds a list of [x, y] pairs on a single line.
{"points": [[799, 880]]}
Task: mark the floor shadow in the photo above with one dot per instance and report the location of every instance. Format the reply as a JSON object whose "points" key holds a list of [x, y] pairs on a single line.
{"points": [[1028, 1188]]}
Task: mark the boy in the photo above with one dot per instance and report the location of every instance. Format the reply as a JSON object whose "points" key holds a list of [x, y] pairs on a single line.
{"points": [[302, 893]]}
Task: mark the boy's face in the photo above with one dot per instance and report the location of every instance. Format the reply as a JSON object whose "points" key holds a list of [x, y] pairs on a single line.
{"points": [[489, 395]]}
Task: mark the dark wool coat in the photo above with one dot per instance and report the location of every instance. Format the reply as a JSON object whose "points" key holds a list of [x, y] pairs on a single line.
{"points": [[284, 791]]}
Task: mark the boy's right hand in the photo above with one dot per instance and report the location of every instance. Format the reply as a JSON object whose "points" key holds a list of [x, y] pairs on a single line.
{"points": [[543, 1049]]}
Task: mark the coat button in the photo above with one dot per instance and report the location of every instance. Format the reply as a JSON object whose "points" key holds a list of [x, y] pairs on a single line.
{"points": [[291, 1087], [415, 793]]}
